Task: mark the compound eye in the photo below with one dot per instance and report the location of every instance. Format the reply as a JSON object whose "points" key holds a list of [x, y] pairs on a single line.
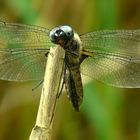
{"points": [[53, 31], [68, 30]]}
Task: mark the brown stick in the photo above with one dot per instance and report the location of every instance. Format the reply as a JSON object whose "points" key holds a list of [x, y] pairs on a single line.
{"points": [[52, 79]]}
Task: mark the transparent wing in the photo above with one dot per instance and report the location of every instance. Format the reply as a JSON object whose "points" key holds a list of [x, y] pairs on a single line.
{"points": [[22, 64], [23, 50], [115, 57], [18, 35]]}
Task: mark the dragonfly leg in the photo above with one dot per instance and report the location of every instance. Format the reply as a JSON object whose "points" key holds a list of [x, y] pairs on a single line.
{"points": [[46, 54], [62, 86], [37, 85], [82, 58], [63, 83], [84, 55]]}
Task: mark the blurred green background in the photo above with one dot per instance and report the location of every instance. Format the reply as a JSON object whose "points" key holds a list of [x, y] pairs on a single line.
{"points": [[107, 113]]}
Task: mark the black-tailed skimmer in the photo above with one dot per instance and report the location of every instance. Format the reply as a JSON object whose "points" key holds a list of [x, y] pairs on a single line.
{"points": [[110, 56]]}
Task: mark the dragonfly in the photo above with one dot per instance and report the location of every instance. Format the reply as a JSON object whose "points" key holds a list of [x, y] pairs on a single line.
{"points": [[109, 56]]}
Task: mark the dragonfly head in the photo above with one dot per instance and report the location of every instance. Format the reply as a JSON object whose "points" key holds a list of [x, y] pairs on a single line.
{"points": [[61, 35]]}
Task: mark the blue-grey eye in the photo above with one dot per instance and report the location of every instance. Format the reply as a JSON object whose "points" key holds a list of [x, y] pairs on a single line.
{"points": [[52, 33], [68, 30], [61, 35]]}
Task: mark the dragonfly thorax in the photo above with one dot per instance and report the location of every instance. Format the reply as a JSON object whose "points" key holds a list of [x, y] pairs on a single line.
{"points": [[61, 35]]}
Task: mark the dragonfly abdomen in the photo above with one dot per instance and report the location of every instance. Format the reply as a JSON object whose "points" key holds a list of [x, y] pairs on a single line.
{"points": [[74, 87]]}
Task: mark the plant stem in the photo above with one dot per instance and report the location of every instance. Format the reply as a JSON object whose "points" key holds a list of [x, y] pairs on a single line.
{"points": [[43, 127]]}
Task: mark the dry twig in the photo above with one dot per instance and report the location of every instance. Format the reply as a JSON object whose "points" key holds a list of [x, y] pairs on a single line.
{"points": [[52, 79]]}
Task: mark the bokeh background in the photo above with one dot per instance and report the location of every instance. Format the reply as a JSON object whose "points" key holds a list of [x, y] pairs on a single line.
{"points": [[107, 113]]}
